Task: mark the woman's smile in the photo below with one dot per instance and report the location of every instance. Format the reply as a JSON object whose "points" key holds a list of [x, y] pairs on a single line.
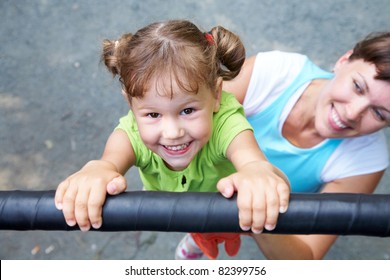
{"points": [[335, 121]]}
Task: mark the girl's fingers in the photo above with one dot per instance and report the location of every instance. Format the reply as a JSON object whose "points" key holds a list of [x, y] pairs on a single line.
{"points": [[62, 187], [68, 205], [244, 204], [95, 207], [273, 206], [117, 185], [226, 187], [81, 209], [284, 196], [258, 213]]}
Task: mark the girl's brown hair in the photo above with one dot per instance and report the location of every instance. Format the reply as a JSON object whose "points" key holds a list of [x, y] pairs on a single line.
{"points": [[176, 49], [375, 48]]}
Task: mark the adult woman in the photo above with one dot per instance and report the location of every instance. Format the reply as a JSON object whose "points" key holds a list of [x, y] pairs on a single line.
{"points": [[322, 129]]}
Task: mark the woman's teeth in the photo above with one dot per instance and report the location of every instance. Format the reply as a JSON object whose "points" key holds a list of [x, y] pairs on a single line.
{"points": [[337, 120]]}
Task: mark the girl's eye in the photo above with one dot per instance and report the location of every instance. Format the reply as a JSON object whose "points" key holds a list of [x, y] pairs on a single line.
{"points": [[187, 111], [153, 115]]}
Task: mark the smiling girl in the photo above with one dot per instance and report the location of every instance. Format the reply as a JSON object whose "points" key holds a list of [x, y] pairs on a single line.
{"points": [[183, 132]]}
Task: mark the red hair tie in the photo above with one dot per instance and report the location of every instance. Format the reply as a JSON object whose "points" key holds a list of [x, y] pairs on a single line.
{"points": [[209, 37]]}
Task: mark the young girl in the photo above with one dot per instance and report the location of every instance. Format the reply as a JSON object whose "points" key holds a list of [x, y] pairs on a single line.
{"points": [[182, 131]]}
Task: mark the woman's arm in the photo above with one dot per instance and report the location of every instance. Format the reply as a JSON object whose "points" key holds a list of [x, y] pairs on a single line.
{"points": [[276, 246]]}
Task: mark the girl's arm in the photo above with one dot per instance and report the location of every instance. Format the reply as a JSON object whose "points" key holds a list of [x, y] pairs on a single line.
{"points": [[119, 151], [81, 196], [314, 246], [262, 189]]}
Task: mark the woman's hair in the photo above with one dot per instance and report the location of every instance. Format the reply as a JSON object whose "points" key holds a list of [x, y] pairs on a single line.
{"points": [[375, 48], [177, 51]]}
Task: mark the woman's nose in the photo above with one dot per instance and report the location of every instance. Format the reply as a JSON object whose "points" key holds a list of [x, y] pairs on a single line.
{"points": [[356, 108]]}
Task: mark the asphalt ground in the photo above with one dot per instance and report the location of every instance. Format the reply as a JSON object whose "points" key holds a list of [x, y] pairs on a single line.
{"points": [[58, 104]]}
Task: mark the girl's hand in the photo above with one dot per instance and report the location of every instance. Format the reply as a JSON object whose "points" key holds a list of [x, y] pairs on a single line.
{"points": [[263, 192], [81, 196]]}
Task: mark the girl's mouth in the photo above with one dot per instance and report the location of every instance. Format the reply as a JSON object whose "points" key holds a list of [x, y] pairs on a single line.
{"points": [[177, 149]]}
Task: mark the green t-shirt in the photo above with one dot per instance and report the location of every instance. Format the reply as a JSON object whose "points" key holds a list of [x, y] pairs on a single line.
{"points": [[207, 167]]}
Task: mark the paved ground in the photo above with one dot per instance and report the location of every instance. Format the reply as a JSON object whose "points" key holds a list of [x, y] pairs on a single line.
{"points": [[58, 104]]}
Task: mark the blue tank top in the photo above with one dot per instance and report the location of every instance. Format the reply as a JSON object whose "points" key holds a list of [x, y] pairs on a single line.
{"points": [[303, 167]]}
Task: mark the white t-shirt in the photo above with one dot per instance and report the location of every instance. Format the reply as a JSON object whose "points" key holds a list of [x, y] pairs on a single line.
{"points": [[273, 72]]}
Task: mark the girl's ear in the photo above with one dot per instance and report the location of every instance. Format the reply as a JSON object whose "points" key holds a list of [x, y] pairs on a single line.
{"points": [[343, 59], [124, 93], [218, 94], [126, 97]]}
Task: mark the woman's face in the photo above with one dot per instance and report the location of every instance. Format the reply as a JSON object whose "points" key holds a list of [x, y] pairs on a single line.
{"points": [[353, 103]]}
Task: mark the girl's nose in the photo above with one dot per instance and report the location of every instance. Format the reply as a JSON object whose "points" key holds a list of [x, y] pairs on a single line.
{"points": [[172, 129]]}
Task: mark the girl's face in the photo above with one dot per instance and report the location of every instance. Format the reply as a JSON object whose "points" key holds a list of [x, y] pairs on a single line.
{"points": [[176, 127], [353, 103]]}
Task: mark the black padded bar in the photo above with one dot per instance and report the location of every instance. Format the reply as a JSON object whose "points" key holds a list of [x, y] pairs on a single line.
{"points": [[329, 213]]}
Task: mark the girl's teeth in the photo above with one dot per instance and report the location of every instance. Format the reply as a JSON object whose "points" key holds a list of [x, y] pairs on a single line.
{"points": [[336, 119], [177, 148]]}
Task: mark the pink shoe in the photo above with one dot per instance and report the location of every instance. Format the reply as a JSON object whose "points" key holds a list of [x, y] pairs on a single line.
{"points": [[188, 250]]}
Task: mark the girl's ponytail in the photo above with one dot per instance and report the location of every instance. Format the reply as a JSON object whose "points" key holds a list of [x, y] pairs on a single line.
{"points": [[230, 52]]}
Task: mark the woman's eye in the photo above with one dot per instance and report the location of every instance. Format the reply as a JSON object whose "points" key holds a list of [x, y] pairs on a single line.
{"points": [[378, 114], [153, 115], [358, 88], [187, 111]]}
